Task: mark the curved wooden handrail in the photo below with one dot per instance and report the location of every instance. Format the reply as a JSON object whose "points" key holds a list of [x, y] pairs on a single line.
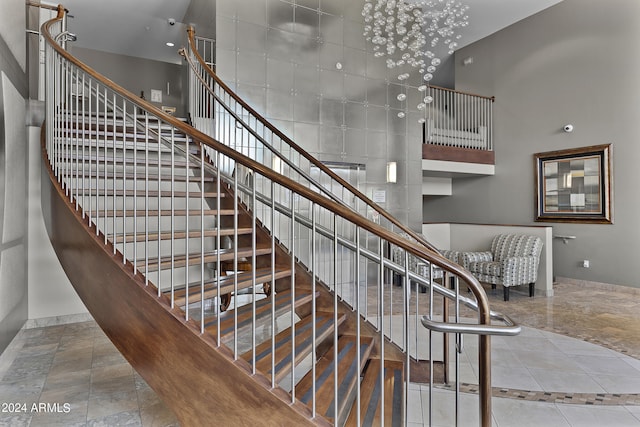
{"points": [[426, 252], [43, 6], [490, 98], [342, 211], [301, 151]]}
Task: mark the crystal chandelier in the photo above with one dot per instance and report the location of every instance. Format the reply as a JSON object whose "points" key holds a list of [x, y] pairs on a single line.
{"points": [[410, 33]]}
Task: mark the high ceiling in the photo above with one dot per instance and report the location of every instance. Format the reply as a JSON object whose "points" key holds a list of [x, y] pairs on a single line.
{"points": [[140, 28]]}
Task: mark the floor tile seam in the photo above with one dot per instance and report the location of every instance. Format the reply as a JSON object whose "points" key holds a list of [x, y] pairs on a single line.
{"points": [[590, 340], [574, 398]]}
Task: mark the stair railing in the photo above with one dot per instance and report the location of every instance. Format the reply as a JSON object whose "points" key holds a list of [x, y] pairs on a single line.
{"points": [[459, 119], [218, 111], [114, 173]]}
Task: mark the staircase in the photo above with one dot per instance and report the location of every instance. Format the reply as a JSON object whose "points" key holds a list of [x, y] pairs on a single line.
{"points": [[242, 294]]}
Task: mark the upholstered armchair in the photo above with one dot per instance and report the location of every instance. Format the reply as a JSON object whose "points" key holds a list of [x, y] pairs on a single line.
{"points": [[418, 266], [512, 261]]}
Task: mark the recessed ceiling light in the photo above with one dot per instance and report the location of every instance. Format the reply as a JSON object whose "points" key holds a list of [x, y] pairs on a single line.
{"points": [[170, 44]]}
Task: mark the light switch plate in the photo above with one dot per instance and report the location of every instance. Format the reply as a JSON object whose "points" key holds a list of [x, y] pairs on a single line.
{"points": [[156, 95]]}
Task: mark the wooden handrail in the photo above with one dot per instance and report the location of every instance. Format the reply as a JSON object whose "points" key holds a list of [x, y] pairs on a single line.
{"points": [[491, 98], [424, 252], [358, 220], [44, 6], [301, 151], [344, 212]]}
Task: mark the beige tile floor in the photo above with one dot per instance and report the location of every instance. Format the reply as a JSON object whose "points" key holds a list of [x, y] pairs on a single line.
{"points": [[582, 343]]}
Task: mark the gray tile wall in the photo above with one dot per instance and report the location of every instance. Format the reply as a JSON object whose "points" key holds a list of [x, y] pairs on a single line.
{"points": [[13, 172], [281, 57]]}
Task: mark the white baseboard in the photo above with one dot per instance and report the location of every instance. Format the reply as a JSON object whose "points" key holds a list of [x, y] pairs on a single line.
{"points": [[57, 320]]}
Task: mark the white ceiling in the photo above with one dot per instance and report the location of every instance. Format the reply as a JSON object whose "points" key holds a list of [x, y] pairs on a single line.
{"points": [[139, 28]]}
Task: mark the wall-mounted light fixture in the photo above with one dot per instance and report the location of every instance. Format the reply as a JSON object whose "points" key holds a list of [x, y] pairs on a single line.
{"points": [[392, 172], [276, 164]]}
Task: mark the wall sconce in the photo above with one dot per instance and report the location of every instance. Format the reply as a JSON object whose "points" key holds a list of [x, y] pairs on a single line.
{"points": [[392, 172], [276, 164]]}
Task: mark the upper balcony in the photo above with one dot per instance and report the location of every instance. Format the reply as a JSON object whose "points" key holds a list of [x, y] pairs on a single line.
{"points": [[458, 135]]}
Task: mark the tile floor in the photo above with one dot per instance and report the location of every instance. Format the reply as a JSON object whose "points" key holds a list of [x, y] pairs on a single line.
{"points": [[576, 363]]}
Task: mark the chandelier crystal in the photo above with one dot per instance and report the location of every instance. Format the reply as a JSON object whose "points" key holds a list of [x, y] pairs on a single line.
{"points": [[410, 33]]}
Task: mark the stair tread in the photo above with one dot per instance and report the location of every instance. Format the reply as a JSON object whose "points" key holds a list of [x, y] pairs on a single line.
{"points": [[151, 193], [283, 344], [130, 161], [165, 212], [129, 175], [348, 374], [182, 234], [370, 405], [195, 258], [245, 313], [227, 284]]}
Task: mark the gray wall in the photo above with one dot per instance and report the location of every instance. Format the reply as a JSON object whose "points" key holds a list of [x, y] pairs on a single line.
{"points": [[281, 57], [13, 171], [573, 63], [139, 74]]}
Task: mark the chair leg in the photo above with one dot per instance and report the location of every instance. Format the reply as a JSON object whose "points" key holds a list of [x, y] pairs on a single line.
{"points": [[532, 289], [506, 293]]}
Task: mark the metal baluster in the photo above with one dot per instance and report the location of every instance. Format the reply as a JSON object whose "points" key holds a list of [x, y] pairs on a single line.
{"points": [[159, 211], [313, 310], [293, 295], [358, 317], [113, 184], [146, 197], [173, 220], [456, 286], [97, 130], [202, 201], [91, 129], [76, 133], [431, 272], [335, 318], [273, 280], [254, 248], [405, 325], [218, 230], [124, 182], [84, 142], [135, 189], [381, 317], [105, 166], [235, 260]]}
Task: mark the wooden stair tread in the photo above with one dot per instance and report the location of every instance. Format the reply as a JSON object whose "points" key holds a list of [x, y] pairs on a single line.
{"points": [[163, 212], [130, 161], [245, 313], [108, 174], [227, 284], [348, 375], [371, 391], [151, 194], [154, 264], [283, 344], [181, 235]]}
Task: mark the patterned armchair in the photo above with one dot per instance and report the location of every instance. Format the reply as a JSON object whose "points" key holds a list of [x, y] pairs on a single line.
{"points": [[418, 266], [512, 261]]}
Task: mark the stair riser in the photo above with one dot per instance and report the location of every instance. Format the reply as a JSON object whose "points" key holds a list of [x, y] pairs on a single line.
{"points": [[179, 276], [129, 203], [99, 145], [108, 185], [153, 225], [129, 170], [165, 246]]}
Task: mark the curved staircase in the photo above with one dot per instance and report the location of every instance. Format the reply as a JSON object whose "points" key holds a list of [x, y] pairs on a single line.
{"points": [[242, 295]]}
